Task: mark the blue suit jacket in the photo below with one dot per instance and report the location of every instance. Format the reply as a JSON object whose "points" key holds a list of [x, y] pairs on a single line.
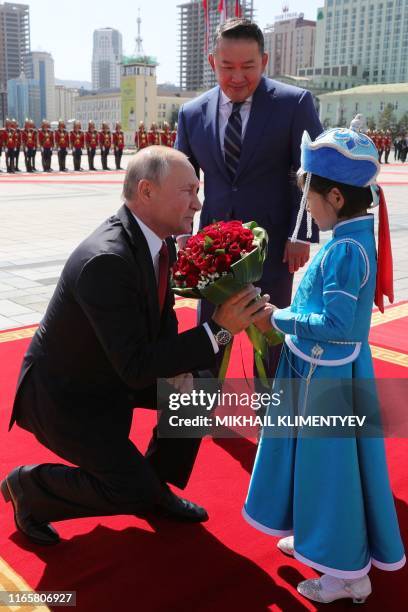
{"points": [[263, 190]]}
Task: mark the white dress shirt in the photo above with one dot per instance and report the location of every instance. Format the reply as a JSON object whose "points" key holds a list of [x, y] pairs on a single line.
{"points": [[155, 244], [224, 112]]}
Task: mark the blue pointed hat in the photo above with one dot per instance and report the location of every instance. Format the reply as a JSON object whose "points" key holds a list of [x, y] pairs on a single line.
{"points": [[342, 155]]}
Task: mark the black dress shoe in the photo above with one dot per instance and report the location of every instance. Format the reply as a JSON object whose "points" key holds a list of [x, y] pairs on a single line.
{"points": [[12, 491], [180, 509]]}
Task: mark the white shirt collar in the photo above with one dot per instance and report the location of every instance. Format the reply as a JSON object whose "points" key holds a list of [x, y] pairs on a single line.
{"points": [[224, 99], [153, 241]]}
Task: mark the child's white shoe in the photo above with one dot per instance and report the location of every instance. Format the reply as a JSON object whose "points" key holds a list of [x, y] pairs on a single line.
{"points": [[328, 588], [286, 545]]}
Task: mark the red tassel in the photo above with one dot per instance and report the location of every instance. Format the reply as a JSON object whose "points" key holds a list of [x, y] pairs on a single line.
{"points": [[384, 281]]}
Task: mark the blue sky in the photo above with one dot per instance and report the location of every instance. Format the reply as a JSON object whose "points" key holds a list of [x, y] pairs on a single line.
{"points": [[65, 29]]}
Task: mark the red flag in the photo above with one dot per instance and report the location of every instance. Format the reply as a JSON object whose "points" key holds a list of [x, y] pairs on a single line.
{"points": [[222, 9], [384, 281], [238, 12], [205, 7]]}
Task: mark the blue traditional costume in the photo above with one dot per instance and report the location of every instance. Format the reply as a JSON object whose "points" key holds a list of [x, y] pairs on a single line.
{"points": [[332, 493]]}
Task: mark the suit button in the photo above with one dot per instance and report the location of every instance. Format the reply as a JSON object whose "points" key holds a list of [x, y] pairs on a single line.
{"points": [[235, 189]]}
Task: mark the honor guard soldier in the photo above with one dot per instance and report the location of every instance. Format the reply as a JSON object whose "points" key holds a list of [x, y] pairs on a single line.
{"points": [[9, 146], [118, 141], [17, 149], [380, 145], [387, 145], [61, 142], [165, 136], [34, 150], [141, 137], [91, 142], [174, 135], [105, 142], [46, 142], [153, 135], [77, 142], [29, 139], [2, 140]]}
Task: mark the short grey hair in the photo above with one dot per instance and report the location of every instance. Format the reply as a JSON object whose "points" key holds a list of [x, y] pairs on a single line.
{"points": [[151, 164]]}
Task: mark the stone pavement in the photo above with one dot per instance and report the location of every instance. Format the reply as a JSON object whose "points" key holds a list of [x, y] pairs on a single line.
{"points": [[44, 216]]}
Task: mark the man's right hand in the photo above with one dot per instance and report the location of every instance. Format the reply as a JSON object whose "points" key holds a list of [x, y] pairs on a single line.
{"points": [[240, 310]]}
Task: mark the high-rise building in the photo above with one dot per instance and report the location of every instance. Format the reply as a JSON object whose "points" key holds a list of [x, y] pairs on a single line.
{"points": [[194, 70], [40, 66], [14, 46], [290, 43], [106, 58], [23, 98], [367, 34]]}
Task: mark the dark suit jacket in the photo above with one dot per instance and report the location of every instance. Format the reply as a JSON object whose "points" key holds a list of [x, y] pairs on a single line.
{"points": [[263, 189], [102, 343]]}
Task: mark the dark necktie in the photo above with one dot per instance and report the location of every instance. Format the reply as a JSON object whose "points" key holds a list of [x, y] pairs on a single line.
{"points": [[163, 275], [233, 140]]}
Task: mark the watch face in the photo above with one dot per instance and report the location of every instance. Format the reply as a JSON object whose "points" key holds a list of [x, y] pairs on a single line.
{"points": [[223, 337]]}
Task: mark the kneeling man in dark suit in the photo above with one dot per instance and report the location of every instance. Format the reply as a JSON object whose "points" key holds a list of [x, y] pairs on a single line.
{"points": [[110, 331]]}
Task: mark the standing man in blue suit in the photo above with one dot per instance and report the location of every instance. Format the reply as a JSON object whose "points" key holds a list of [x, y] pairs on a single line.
{"points": [[245, 135]]}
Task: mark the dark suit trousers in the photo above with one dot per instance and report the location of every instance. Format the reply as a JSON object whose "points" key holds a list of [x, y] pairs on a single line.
{"points": [[112, 476]]}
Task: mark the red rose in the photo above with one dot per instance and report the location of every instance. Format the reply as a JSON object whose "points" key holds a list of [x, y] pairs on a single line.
{"points": [[223, 262]]}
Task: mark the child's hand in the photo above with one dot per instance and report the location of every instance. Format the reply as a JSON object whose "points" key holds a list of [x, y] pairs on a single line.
{"points": [[296, 254], [264, 324]]}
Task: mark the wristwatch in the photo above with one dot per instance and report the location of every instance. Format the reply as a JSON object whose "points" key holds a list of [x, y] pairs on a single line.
{"points": [[222, 336]]}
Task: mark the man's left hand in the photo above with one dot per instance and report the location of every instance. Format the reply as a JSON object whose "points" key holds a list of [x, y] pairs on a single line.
{"points": [[296, 254]]}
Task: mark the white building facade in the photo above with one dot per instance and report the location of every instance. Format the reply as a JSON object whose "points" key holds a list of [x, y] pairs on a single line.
{"points": [[371, 34], [98, 107], [340, 107], [106, 58], [65, 102]]}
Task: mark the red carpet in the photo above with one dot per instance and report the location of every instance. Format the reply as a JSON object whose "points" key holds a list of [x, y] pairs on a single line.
{"points": [[125, 563]]}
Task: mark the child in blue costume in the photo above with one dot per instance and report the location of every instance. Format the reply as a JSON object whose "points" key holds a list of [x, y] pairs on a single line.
{"points": [[329, 498]]}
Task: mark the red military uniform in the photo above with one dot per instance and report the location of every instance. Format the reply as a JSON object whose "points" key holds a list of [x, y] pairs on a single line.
{"points": [[166, 138], [9, 146], [141, 138], [387, 146], [18, 145], [118, 140], [2, 136], [174, 135], [29, 138], [77, 142], [61, 139], [46, 141], [153, 135], [105, 142], [380, 145], [77, 139], [46, 138], [91, 142]]}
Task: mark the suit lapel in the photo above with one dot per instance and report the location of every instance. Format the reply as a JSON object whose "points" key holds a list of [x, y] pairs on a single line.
{"points": [[261, 112], [211, 127], [144, 259]]}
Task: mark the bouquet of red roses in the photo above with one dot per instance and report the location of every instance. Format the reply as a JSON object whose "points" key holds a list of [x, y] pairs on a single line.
{"points": [[218, 262]]}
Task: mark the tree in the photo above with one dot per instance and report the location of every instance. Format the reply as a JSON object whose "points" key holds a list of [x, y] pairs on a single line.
{"points": [[387, 119], [403, 124], [371, 123]]}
